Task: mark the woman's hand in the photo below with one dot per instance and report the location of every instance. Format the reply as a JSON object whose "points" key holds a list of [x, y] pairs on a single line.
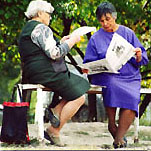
{"points": [[85, 71], [65, 38], [76, 38], [73, 40], [138, 52]]}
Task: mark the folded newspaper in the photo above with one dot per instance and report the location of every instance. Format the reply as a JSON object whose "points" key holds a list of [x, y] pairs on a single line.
{"points": [[83, 30], [118, 53]]}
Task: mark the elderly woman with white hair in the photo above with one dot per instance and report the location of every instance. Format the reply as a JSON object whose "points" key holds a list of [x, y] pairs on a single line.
{"points": [[43, 63]]}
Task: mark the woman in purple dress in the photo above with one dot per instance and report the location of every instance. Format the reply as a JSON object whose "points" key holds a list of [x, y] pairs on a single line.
{"points": [[123, 89]]}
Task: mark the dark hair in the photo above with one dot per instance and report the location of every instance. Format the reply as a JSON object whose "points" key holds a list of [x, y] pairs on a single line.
{"points": [[104, 8]]}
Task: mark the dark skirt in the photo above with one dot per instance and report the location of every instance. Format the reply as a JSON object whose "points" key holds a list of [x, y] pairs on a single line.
{"points": [[70, 87], [66, 84]]}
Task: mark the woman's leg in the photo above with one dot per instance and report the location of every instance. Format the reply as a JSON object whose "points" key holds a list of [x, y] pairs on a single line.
{"points": [[66, 110], [112, 127], [58, 109], [126, 117]]}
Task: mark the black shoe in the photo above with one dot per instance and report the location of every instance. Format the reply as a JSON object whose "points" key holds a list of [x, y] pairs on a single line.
{"points": [[119, 145], [53, 119], [53, 140], [46, 136]]}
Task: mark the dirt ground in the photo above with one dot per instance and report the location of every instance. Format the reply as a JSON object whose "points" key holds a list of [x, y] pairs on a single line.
{"points": [[83, 136]]}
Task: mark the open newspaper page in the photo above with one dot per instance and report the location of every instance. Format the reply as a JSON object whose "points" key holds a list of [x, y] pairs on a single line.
{"points": [[83, 30], [98, 66], [118, 53]]}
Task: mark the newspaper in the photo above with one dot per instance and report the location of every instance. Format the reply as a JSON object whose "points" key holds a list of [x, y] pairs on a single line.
{"points": [[118, 53], [83, 30]]}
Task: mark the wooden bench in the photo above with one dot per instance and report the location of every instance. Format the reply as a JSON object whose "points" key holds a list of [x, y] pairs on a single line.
{"points": [[39, 105], [40, 109], [136, 121]]}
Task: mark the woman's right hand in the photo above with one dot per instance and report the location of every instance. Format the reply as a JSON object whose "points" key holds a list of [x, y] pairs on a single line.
{"points": [[65, 38], [73, 40], [138, 52], [76, 38]]}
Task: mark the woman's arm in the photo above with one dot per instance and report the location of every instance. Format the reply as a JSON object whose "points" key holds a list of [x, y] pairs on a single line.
{"points": [[141, 54], [43, 37]]}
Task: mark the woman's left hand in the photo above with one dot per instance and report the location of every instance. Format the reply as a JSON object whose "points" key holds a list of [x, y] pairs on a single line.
{"points": [[138, 54], [85, 71]]}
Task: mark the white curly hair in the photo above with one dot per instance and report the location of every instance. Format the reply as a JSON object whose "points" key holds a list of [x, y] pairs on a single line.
{"points": [[38, 5]]}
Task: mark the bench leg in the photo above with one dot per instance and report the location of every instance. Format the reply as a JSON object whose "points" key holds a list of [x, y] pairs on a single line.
{"points": [[39, 114], [136, 129], [18, 97]]}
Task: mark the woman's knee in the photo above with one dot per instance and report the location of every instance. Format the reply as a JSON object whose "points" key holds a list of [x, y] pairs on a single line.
{"points": [[81, 100], [127, 112]]}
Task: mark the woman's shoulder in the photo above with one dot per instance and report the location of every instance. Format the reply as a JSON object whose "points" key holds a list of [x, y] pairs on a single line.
{"points": [[97, 34], [43, 26], [126, 29], [40, 27], [126, 32]]}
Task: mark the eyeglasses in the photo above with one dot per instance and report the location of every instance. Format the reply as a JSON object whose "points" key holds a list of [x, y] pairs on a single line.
{"points": [[49, 15]]}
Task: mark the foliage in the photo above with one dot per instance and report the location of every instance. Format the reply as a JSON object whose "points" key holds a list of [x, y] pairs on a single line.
{"points": [[146, 119], [6, 85], [68, 15]]}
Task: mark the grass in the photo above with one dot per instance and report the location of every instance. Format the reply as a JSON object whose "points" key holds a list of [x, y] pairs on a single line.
{"points": [[33, 143], [144, 121], [143, 135], [136, 145], [82, 133], [106, 146], [102, 135]]}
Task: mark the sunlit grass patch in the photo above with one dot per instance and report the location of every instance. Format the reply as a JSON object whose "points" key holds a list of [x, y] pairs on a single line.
{"points": [[33, 143], [82, 133], [102, 135], [136, 145], [146, 136], [130, 133], [142, 135], [106, 146]]}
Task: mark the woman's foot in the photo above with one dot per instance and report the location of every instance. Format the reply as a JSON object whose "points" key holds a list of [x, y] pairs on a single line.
{"points": [[54, 140], [125, 140], [120, 144]]}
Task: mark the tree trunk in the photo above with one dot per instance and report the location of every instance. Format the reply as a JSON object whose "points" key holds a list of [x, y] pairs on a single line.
{"points": [[67, 24]]}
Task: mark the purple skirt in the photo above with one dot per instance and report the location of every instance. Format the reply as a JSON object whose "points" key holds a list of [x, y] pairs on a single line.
{"points": [[122, 92]]}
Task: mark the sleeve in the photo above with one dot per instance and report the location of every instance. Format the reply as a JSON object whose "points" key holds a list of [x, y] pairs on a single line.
{"points": [[136, 43], [91, 53], [42, 36]]}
